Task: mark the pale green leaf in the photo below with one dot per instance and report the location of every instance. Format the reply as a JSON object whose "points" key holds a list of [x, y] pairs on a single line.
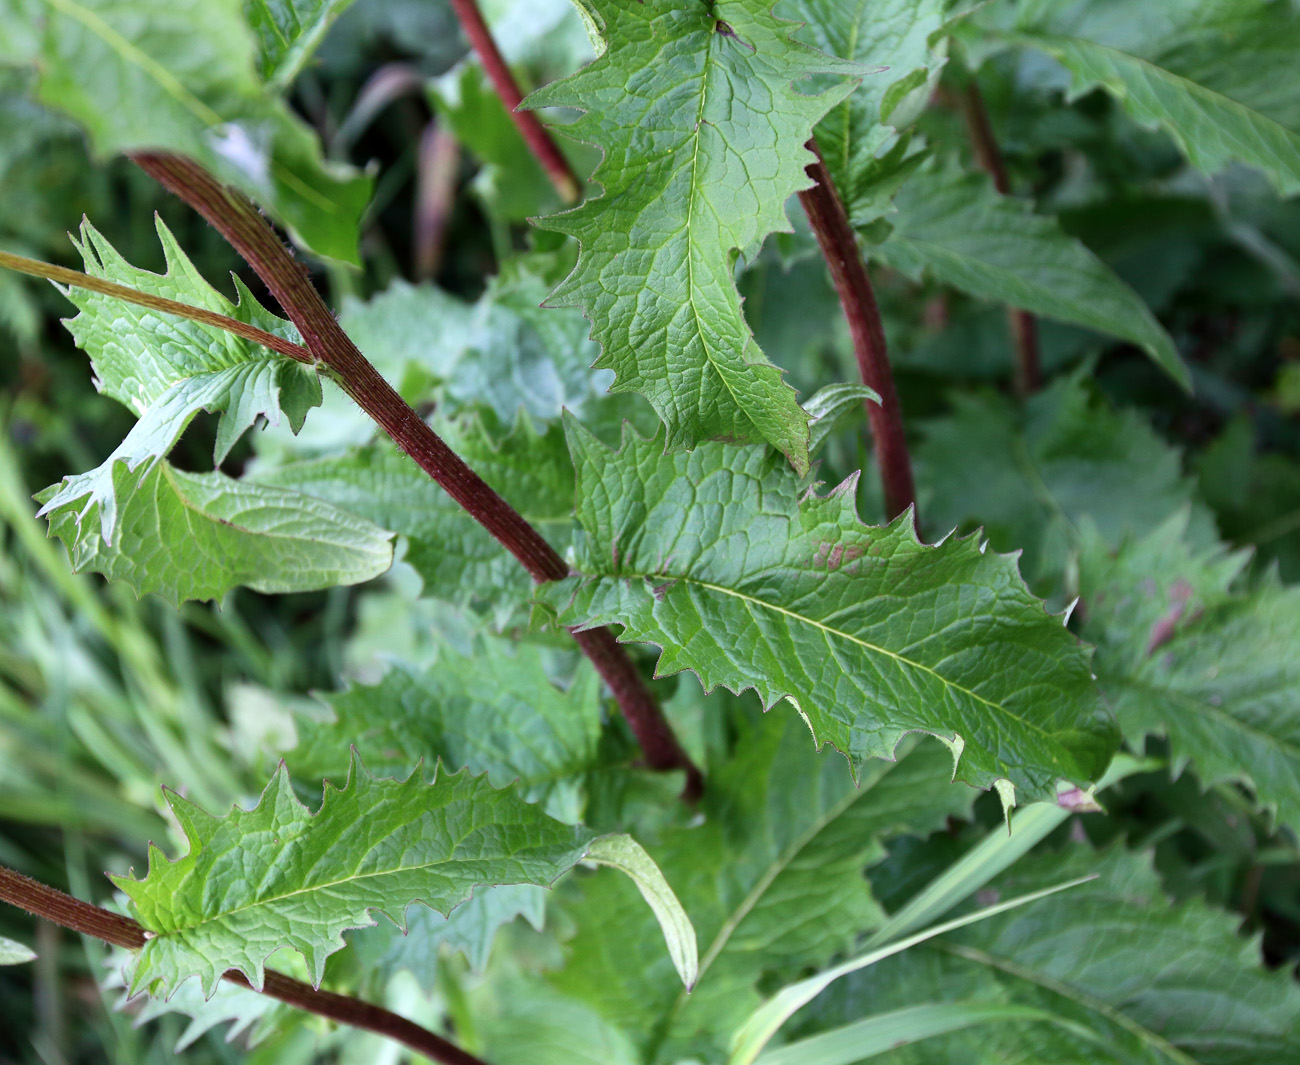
{"points": [[958, 230], [180, 76], [521, 727], [702, 129], [457, 558], [1127, 976], [14, 953], [257, 880], [288, 31], [859, 138], [628, 856], [740, 573], [1214, 668], [1210, 73], [197, 535], [471, 928]]}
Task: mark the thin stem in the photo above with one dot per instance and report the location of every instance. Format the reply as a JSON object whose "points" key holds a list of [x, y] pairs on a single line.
{"points": [[236, 219], [539, 141], [120, 931], [1024, 326], [36, 268], [830, 222]]}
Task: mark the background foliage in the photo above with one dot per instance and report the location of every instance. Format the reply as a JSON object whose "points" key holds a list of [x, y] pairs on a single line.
{"points": [[1153, 486]]}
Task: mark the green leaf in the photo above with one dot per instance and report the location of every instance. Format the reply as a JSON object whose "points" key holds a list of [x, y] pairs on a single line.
{"points": [[739, 572], [957, 229], [1210, 73], [1129, 977], [181, 77], [1044, 467], [197, 535], [184, 535], [457, 559], [772, 881], [288, 31], [859, 138], [831, 406], [277, 875], [628, 856], [768, 1018], [1213, 669], [14, 953], [521, 727], [471, 928], [702, 130], [889, 1031]]}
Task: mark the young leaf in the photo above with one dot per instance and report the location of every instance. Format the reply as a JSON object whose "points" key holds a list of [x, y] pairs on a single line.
{"points": [[178, 75], [741, 573], [197, 535], [1213, 670], [14, 953], [184, 535], [702, 130], [772, 880], [521, 727], [859, 138], [1128, 976], [277, 875], [957, 229], [1207, 72]]}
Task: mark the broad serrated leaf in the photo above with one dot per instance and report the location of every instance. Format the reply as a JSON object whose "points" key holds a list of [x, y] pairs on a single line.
{"points": [[197, 535], [258, 880], [288, 31], [457, 559], [958, 230], [1210, 73], [1126, 976], [772, 880], [183, 535], [859, 138], [521, 727], [180, 76], [1185, 655], [741, 573], [702, 129], [1043, 468]]}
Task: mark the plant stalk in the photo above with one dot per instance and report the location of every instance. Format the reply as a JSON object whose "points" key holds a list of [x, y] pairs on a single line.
{"points": [[535, 135], [1024, 326], [61, 274], [839, 244], [120, 931], [238, 220]]}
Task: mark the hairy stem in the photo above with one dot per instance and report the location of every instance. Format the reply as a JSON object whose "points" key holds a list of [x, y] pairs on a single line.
{"points": [[1024, 326], [236, 219], [539, 141], [64, 910], [36, 268], [839, 245]]}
